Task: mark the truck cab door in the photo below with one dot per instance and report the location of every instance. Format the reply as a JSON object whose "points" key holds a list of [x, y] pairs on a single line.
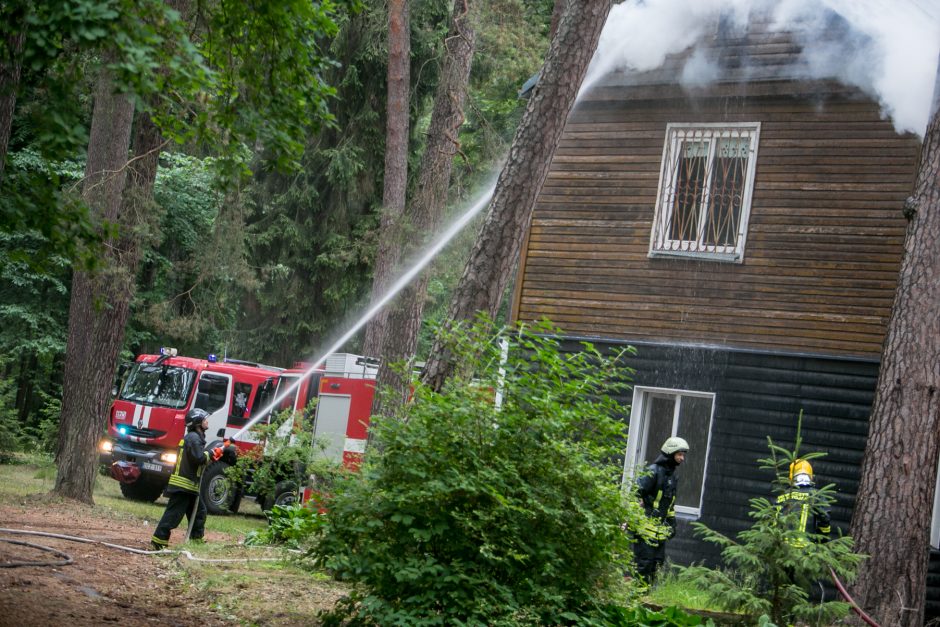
{"points": [[214, 395]]}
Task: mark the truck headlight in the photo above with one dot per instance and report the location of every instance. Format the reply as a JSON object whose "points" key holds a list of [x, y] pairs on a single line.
{"points": [[169, 458], [106, 446]]}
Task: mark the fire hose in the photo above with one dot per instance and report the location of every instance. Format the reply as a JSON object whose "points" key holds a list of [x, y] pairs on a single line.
{"points": [[129, 549], [855, 608]]}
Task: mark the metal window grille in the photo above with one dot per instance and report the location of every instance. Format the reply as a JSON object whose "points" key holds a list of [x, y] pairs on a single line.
{"points": [[705, 190]]}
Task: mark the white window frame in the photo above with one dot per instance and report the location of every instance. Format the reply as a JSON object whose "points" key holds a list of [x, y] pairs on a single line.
{"points": [[661, 245], [633, 461]]}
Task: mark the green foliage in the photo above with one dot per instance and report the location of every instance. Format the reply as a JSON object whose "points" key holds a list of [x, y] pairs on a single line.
{"points": [[191, 279], [269, 64], [33, 311], [642, 616], [290, 525], [466, 512], [770, 567], [288, 452], [670, 590]]}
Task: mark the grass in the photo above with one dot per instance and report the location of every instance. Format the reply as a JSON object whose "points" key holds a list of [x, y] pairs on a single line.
{"points": [[669, 591], [33, 474], [255, 590]]}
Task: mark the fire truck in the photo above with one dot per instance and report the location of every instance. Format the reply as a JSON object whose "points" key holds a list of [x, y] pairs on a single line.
{"points": [[146, 419]]}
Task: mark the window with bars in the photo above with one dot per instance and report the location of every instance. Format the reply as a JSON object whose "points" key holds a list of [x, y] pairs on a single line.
{"points": [[658, 414], [705, 190]]}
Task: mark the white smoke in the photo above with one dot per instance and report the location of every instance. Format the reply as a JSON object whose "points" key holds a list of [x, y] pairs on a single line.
{"points": [[889, 48]]}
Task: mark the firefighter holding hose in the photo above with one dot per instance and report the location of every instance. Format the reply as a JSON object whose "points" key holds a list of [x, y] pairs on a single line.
{"points": [[657, 490], [183, 488]]}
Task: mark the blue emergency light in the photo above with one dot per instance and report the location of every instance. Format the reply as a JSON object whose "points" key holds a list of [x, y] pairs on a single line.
{"points": [[122, 430], [212, 358]]}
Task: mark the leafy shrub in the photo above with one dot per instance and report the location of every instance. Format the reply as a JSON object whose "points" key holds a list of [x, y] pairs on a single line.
{"points": [[768, 572], [642, 616], [287, 454], [469, 512], [290, 525]]}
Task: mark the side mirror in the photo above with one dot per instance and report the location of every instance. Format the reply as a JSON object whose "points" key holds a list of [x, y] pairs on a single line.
{"points": [[221, 433]]}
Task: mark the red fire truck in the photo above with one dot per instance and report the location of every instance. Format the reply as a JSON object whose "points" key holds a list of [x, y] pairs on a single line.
{"points": [[146, 420], [343, 388]]}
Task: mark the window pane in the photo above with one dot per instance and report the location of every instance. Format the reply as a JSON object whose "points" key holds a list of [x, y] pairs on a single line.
{"points": [[659, 426], [211, 393], [238, 415], [726, 191], [694, 417], [689, 190]]}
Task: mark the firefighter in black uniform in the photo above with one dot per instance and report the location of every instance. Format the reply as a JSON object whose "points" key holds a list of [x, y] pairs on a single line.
{"points": [[183, 487], [657, 490]]}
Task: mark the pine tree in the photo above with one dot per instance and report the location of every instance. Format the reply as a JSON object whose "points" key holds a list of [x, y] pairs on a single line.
{"points": [[770, 568]]}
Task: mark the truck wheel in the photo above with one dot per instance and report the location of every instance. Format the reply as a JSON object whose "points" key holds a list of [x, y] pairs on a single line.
{"points": [[142, 490], [285, 493], [217, 491]]}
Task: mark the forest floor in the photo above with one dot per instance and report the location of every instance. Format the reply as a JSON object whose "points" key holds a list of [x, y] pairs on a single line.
{"points": [[105, 585]]}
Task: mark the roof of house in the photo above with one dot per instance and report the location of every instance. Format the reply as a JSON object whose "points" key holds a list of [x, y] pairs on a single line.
{"points": [[758, 52]]}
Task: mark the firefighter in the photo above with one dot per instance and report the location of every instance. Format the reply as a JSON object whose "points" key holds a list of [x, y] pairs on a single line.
{"points": [[657, 491], [799, 499], [183, 487]]}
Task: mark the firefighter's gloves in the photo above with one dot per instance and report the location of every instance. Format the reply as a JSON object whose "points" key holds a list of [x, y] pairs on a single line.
{"points": [[217, 453], [230, 455]]}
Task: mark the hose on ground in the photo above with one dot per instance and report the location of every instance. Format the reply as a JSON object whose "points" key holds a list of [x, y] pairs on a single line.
{"points": [[130, 549], [65, 561]]}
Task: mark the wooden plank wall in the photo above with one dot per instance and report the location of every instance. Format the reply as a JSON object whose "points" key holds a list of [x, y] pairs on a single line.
{"points": [[823, 245], [759, 394]]}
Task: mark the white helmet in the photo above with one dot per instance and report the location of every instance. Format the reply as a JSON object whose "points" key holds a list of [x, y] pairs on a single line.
{"points": [[675, 445]]}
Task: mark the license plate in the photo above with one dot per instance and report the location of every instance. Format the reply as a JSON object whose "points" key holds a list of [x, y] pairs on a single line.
{"points": [[149, 466]]}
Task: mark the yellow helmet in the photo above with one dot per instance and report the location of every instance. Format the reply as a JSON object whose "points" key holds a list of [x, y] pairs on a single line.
{"points": [[801, 473]]}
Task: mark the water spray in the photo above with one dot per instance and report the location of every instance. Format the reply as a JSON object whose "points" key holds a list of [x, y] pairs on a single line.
{"points": [[399, 285]]}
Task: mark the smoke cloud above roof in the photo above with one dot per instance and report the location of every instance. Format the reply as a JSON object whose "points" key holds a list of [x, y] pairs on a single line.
{"points": [[886, 48]]}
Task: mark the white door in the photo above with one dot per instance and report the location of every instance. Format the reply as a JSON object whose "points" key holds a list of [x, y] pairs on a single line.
{"points": [[330, 429]]}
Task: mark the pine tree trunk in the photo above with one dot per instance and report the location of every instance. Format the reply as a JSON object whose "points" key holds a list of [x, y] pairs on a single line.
{"points": [[396, 167], [423, 216], [10, 68], [497, 246], [100, 302], [892, 516]]}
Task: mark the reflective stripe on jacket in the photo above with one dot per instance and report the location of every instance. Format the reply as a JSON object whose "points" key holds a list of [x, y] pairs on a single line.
{"points": [[799, 500], [191, 459]]}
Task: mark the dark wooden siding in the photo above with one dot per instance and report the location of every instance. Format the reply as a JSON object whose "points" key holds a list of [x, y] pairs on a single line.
{"points": [[760, 395], [823, 244]]}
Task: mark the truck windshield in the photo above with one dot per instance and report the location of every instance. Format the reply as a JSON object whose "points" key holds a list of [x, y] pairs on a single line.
{"points": [[161, 386]]}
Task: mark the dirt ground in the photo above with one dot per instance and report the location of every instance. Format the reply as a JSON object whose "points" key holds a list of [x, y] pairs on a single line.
{"points": [[109, 586], [103, 585]]}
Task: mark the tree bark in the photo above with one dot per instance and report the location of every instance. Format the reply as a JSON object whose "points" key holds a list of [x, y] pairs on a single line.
{"points": [[496, 250], [396, 167], [892, 516], [100, 302], [557, 11], [423, 215], [10, 68]]}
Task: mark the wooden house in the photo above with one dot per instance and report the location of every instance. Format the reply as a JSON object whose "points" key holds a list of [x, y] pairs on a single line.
{"points": [[745, 235]]}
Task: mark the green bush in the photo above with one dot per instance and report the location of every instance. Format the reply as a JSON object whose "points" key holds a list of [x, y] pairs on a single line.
{"points": [[641, 616], [290, 525], [288, 453], [772, 565], [469, 512]]}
